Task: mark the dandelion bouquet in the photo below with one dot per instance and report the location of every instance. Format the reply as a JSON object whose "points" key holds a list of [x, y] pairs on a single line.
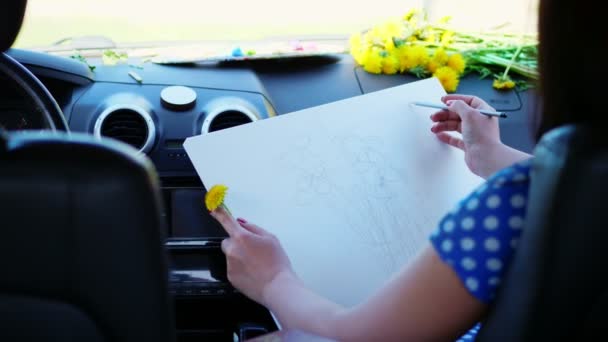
{"points": [[413, 45]]}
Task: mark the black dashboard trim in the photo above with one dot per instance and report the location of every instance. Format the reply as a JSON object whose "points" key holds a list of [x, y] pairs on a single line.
{"points": [[271, 111], [43, 64]]}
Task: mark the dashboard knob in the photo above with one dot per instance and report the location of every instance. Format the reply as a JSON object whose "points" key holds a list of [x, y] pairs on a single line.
{"points": [[178, 98]]}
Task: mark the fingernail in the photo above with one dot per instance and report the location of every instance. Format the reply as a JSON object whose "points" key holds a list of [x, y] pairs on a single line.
{"points": [[449, 103], [240, 220]]}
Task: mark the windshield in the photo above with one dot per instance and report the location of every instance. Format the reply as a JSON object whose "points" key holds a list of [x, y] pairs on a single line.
{"points": [[53, 22]]}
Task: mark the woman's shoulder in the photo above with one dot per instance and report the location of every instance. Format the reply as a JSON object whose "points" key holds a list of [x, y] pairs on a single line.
{"points": [[503, 184], [519, 171], [516, 175], [478, 236]]}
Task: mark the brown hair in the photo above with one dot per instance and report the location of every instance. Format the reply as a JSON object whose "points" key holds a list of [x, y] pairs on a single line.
{"points": [[573, 46]]}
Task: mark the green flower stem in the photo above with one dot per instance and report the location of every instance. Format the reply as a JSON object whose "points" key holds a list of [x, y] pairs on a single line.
{"points": [[227, 210], [496, 36], [520, 69], [504, 75], [506, 49]]}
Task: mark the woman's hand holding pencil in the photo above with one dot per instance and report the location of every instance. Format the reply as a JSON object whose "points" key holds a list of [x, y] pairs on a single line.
{"points": [[480, 135]]}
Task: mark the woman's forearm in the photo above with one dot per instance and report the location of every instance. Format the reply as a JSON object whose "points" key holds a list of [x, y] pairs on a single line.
{"points": [[297, 307], [424, 301]]}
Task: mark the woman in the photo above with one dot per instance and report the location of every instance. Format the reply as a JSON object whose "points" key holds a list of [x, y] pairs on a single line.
{"points": [[447, 289], [439, 295]]}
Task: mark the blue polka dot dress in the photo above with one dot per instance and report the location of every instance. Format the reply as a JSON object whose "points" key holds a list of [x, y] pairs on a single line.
{"points": [[478, 237]]}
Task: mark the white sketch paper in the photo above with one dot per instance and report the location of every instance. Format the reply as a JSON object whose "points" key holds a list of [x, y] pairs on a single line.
{"points": [[352, 189]]}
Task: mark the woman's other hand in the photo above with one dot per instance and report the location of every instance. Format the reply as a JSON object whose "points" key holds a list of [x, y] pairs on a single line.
{"points": [[484, 152], [254, 257]]}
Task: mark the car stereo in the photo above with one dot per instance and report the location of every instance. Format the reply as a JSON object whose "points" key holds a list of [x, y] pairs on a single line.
{"points": [[186, 215], [197, 268]]}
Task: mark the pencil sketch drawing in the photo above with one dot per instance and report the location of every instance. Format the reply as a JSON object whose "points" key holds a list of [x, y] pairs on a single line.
{"points": [[369, 203]]}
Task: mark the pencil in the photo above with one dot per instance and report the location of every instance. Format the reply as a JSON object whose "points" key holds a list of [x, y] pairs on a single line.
{"points": [[442, 106]]}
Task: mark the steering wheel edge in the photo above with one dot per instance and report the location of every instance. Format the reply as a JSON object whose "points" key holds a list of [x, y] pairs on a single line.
{"points": [[36, 91]]}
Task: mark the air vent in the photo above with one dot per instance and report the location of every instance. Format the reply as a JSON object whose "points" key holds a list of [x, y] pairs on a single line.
{"points": [[129, 124], [227, 117]]}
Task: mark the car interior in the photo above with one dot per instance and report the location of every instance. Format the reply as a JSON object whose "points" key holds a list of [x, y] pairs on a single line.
{"points": [[106, 237]]}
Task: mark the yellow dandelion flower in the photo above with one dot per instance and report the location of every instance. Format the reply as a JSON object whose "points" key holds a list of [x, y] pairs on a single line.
{"points": [[390, 65], [457, 63], [440, 56], [373, 61], [215, 197], [432, 66], [411, 57], [503, 83], [421, 56], [448, 78], [406, 57]]}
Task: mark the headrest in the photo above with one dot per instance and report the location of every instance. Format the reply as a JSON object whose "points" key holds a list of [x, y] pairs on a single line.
{"points": [[3, 140], [11, 17]]}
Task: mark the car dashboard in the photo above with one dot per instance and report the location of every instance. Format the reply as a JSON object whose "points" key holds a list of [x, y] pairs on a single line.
{"points": [[155, 107]]}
